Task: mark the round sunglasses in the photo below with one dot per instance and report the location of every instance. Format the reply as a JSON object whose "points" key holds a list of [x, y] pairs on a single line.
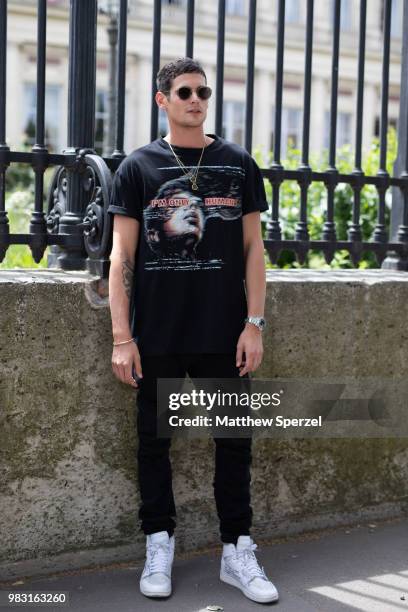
{"points": [[203, 92]]}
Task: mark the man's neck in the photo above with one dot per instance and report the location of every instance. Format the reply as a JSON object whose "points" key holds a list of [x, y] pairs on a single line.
{"points": [[188, 138]]}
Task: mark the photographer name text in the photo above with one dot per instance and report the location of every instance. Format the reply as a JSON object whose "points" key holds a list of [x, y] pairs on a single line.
{"points": [[244, 421]]}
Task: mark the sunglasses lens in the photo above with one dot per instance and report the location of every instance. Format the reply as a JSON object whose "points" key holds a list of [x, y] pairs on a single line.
{"points": [[184, 93], [204, 92]]}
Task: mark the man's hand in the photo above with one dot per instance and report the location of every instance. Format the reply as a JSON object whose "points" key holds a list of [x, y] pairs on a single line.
{"points": [[124, 357], [250, 343]]}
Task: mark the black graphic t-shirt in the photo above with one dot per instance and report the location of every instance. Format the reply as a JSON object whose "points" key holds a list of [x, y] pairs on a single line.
{"points": [[188, 291]]}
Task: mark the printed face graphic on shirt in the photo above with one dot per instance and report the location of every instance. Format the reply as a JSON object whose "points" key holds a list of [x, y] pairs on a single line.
{"points": [[174, 226], [176, 219], [186, 220]]}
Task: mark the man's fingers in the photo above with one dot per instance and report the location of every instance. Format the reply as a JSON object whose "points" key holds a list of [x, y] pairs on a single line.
{"points": [[127, 367], [258, 360], [130, 379], [249, 355], [251, 363], [138, 367], [244, 366], [244, 370], [124, 374], [247, 368], [136, 370], [240, 350]]}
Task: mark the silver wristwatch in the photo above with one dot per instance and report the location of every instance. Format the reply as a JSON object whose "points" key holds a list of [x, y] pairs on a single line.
{"points": [[258, 321]]}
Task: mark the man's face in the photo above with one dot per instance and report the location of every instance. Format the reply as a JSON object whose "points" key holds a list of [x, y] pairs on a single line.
{"points": [[185, 113]]}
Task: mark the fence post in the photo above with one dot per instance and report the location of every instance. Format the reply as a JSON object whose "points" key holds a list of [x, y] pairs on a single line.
{"points": [[4, 148], [399, 229], [81, 129]]}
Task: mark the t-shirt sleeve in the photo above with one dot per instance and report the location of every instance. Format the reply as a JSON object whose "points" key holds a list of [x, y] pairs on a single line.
{"points": [[254, 196], [127, 191]]}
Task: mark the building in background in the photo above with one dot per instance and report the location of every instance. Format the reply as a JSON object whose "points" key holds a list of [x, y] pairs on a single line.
{"points": [[21, 70]]}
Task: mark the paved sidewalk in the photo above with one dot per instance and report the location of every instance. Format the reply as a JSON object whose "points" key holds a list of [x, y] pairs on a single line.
{"points": [[349, 568]]}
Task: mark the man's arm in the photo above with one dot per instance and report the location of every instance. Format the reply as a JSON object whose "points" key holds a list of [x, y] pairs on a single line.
{"points": [[250, 340], [122, 258], [255, 274]]}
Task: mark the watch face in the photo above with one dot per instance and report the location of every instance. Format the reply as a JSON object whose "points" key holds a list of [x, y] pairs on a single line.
{"points": [[258, 321]]}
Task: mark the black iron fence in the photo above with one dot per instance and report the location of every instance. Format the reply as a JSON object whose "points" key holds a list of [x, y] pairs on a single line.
{"points": [[76, 225]]}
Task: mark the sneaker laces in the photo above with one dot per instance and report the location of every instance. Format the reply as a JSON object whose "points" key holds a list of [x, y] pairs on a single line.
{"points": [[249, 563], [158, 558]]}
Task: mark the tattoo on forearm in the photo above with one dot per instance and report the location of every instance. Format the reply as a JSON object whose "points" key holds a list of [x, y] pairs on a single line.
{"points": [[127, 275]]}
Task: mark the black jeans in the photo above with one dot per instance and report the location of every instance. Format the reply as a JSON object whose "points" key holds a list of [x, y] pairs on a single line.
{"points": [[233, 457]]}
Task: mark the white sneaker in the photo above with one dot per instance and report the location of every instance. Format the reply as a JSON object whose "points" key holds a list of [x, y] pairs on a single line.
{"points": [[239, 567], [156, 576]]}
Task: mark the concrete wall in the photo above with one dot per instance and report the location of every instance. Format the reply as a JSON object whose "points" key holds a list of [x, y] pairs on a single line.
{"points": [[68, 486]]}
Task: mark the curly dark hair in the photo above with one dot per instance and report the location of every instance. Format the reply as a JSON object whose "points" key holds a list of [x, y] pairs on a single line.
{"points": [[171, 70]]}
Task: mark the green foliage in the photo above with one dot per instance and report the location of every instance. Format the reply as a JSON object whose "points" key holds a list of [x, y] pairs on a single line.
{"points": [[289, 204], [19, 256], [19, 176], [19, 206]]}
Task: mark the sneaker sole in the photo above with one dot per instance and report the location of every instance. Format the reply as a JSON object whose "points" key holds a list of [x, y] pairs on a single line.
{"points": [[155, 594], [231, 581]]}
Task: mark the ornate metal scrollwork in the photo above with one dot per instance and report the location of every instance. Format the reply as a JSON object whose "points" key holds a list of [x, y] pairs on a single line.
{"points": [[57, 199], [97, 181], [95, 187]]}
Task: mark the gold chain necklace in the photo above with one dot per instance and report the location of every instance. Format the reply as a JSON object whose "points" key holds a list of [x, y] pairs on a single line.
{"points": [[191, 174]]}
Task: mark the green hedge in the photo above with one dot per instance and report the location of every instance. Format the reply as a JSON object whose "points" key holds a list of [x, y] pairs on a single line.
{"points": [[316, 205]]}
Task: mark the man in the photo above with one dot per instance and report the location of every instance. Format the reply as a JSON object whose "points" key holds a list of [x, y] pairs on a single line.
{"points": [[186, 234]]}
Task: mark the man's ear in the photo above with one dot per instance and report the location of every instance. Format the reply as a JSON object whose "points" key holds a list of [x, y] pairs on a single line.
{"points": [[160, 98]]}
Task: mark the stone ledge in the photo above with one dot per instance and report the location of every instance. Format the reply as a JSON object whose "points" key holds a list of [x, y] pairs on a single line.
{"points": [[332, 276], [42, 275]]}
